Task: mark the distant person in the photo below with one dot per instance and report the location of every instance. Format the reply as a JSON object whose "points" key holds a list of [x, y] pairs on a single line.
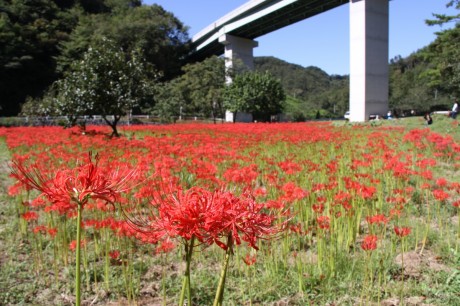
{"points": [[389, 115], [428, 119], [454, 112]]}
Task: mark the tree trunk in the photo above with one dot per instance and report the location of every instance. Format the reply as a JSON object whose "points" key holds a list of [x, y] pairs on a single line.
{"points": [[113, 124]]}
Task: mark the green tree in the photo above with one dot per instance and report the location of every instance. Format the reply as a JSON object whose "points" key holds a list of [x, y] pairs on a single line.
{"points": [[203, 84], [33, 34], [441, 19], [40, 107], [29, 34], [257, 93], [169, 102], [162, 38], [104, 83], [444, 54]]}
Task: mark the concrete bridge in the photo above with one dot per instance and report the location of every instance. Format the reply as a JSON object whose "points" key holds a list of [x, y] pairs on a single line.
{"points": [[233, 35]]}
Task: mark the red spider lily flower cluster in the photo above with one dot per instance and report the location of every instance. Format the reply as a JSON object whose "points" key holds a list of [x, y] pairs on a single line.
{"points": [[165, 246], [369, 243], [114, 254], [440, 195], [29, 216], [334, 189], [249, 259], [73, 244], [207, 216], [74, 186], [402, 231], [323, 222], [41, 229]]}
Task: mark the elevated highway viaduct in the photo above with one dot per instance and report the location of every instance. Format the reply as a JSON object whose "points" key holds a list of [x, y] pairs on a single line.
{"points": [[233, 35]]}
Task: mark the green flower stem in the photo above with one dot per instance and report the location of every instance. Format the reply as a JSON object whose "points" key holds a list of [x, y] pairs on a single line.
{"points": [[85, 266], [107, 263], [401, 299], [186, 282], [77, 265], [223, 274], [458, 233], [163, 276]]}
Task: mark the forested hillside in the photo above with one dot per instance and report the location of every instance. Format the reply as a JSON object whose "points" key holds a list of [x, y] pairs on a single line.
{"points": [[43, 41], [39, 39], [310, 90]]}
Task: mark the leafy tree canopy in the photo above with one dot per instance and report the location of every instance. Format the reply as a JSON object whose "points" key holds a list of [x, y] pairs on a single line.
{"points": [[105, 83], [441, 19], [198, 92], [40, 39], [162, 38], [443, 55], [257, 93], [29, 33]]}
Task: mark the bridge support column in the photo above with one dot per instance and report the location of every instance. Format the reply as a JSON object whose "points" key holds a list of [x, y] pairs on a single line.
{"points": [[238, 53], [368, 58], [238, 57]]}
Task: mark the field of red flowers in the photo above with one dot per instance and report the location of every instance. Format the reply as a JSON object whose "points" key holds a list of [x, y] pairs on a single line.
{"points": [[230, 214]]}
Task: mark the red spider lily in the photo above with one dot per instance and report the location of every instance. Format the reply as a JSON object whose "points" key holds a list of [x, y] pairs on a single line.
{"points": [[369, 243], [14, 190], [296, 228], [38, 202], [274, 204], [378, 219], [427, 174], [52, 232], [39, 229], [260, 192], [245, 175], [394, 212], [250, 260], [342, 197], [165, 246], [292, 192], [181, 214], [71, 189], [323, 222], [114, 254], [73, 244], [402, 231], [30, 216], [71, 186], [290, 167], [332, 166], [318, 208], [440, 195], [243, 219], [441, 182], [367, 192], [207, 216], [426, 162]]}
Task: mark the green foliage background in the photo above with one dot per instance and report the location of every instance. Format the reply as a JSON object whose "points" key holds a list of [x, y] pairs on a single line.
{"points": [[40, 41]]}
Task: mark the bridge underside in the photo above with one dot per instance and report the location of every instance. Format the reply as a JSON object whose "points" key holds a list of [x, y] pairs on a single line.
{"points": [[233, 35], [252, 23]]}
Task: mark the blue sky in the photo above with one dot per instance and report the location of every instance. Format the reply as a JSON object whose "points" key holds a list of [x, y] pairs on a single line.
{"points": [[323, 40]]}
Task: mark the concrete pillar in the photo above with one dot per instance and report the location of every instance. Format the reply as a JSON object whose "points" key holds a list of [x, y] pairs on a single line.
{"points": [[368, 58], [238, 57], [238, 53]]}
